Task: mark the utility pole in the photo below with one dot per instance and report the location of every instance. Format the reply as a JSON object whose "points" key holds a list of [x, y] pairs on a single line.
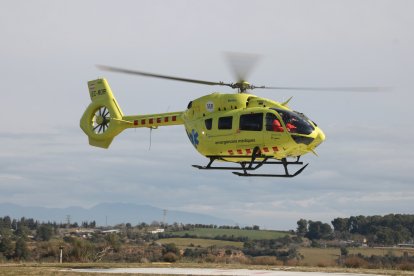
{"points": [[164, 216], [67, 221], [61, 254]]}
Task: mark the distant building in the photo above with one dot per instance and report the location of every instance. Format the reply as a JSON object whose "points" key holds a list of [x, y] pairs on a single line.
{"points": [[406, 245], [112, 231], [156, 231]]}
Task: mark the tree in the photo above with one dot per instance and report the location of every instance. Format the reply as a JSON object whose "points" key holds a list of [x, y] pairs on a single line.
{"points": [[344, 251], [5, 222], [30, 223], [326, 231], [340, 224], [302, 227], [21, 251], [318, 230], [6, 244], [44, 232], [358, 225], [22, 230]]}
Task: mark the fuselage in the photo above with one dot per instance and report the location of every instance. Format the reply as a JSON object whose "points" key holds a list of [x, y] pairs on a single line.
{"points": [[235, 124]]}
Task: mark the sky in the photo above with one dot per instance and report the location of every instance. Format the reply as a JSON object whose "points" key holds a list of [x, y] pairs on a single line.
{"points": [[49, 50]]}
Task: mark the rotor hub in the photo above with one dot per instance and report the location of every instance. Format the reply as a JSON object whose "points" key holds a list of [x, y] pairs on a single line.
{"points": [[242, 86], [100, 120]]}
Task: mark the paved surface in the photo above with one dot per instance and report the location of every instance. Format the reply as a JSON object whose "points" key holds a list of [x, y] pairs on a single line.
{"points": [[208, 271]]}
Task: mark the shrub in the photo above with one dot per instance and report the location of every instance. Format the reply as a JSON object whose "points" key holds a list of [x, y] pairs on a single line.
{"points": [[406, 266], [266, 260], [170, 257], [355, 262], [344, 251], [171, 247]]}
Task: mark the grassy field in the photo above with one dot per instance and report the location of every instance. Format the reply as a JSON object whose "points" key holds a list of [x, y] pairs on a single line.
{"points": [[183, 243], [329, 256], [251, 234], [53, 269], [315, 259]]}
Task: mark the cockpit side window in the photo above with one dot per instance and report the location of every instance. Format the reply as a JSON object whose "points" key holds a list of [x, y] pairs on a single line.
{"points": [[273, 123], [251, 122]]}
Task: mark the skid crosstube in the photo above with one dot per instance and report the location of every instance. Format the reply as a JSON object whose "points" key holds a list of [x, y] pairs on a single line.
{"points": [[272, 175], [252, 165]]}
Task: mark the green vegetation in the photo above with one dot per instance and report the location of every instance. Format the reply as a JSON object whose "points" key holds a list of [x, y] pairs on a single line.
{"points": [[378, 230], [230, 234], [329, 256], [388, 230], [316, 244], [184, 243]]}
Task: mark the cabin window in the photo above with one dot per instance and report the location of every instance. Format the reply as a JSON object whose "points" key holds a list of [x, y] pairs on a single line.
{"points": [[225, 122], [208, 123], [273, 123], [252, 122]]}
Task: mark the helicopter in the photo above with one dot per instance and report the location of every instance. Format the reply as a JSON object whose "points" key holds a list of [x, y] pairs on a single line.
{"points": [[240, 128]]}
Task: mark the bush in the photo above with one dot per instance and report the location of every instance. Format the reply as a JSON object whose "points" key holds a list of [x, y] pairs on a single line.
{"points": [[266, 260], [81, 250], [344, 251], [46, 251], [406, 266], [195, 253], [170, 257], [171, 247], [355, 262]]}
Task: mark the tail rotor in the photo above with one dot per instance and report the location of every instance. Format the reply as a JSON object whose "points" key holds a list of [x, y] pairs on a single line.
{"points": [[101, 120]]}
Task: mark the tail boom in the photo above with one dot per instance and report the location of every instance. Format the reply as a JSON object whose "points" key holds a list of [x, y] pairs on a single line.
{"points": [[103, 119], [155, 120]]}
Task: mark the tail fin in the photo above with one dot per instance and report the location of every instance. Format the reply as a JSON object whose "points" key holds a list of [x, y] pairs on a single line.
{"points": [[102, 120]]}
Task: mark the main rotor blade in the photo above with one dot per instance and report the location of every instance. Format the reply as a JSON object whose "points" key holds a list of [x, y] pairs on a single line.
{"points": [[333, 89], [146, 74], [241, 64]]}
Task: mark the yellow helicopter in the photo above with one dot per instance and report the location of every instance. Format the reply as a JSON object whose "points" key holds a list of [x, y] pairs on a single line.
{"points": [[240, 128]]}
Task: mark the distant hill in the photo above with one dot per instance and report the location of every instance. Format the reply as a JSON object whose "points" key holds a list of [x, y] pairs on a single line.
{"points": [[110, 213]]}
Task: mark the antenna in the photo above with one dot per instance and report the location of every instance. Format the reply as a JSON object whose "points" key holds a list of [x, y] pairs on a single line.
{"points": [[150, 139], [151, 128]]}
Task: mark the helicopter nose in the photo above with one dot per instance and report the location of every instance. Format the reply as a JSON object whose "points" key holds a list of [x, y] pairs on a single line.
{"points": [[321, 135], [319, 138]]}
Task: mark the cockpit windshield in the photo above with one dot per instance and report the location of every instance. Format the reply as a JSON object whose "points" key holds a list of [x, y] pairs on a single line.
{"points": [[295, 122]]}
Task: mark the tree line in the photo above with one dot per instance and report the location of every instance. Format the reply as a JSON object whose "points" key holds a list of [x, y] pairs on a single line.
{"points": [[390, 229]]}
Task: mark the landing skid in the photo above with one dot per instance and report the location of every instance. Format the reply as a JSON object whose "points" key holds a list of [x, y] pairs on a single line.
{"points": [[252, 165]]}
